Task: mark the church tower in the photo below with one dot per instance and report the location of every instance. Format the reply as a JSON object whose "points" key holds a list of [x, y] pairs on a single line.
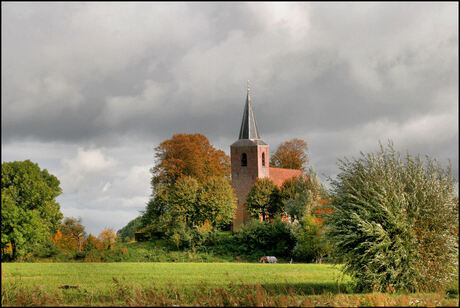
{"points": [[250, 161]]}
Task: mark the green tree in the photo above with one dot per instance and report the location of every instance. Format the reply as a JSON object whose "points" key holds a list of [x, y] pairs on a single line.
{"points": [[217, 202], [30, 213], [310, 243], [191, 203], [183, 200], [393, 222], [300, 195], [263, 199]]}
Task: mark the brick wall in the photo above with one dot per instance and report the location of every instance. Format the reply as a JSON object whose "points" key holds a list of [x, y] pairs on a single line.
{"points": [[244, 176]]}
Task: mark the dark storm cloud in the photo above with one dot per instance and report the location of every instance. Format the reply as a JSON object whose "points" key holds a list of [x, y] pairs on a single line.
{"points": [[108, 81]]}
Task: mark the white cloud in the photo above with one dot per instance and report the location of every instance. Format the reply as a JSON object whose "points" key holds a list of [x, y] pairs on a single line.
{"points": [[87, 163]]}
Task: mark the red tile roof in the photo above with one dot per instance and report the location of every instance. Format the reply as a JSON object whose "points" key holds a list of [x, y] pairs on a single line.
{"points": [[279, 175]]}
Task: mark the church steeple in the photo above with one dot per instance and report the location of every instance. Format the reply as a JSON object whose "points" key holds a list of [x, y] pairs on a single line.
{"points": [[249, 128]]}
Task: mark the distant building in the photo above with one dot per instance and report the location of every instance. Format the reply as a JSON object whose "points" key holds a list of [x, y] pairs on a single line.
{"points": [[250, 161]]}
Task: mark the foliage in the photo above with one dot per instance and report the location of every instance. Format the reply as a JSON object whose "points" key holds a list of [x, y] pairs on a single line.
{"points": [[310, 243], [217, 202], [183, 200], [301, 196], [393, 222], [190, 189], [70, 235], [107, 239], [257, 239], [183, 209], [263, 199], [291, 154], [188, 155], [30, 213], [128, 231]]}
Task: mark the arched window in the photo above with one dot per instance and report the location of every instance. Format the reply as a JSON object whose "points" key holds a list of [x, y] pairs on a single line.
{"points": [[263, 159], [244, 159]]}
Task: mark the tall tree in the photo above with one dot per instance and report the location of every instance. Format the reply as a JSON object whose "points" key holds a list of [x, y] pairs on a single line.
{"points": [[30, 213], [188, 155], [291, 154]]}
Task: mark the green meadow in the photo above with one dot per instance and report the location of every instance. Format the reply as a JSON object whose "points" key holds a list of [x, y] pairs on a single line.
{"points": [[196, 284]]}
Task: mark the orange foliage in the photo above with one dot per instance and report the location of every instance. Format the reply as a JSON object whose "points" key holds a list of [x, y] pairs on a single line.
{"points": [[291, 154], [188, 155], [107, 238], [66, 241], [92, 242], [321, 210], [205, 227]]}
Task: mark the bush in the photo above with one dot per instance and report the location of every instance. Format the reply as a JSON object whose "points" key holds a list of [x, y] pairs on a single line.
{"points": [[258, 239], [395, 222]]}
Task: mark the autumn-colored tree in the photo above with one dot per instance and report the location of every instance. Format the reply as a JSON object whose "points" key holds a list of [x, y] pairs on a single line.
{"points": [[188, 155], [291, 154], [263, 199], [107, 238], [71, 234], [91, 243]]}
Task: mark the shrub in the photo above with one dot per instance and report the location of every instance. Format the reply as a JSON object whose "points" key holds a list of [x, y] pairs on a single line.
{"points": [[258, 238], [394, 222]]}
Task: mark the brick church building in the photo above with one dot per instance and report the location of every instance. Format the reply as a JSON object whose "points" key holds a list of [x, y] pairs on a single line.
{"points": [[250, 161]]}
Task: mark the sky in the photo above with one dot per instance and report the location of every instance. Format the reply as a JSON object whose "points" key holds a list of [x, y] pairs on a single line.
{"points": [[90, 89]]}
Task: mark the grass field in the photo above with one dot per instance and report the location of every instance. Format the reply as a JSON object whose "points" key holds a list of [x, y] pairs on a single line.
{"points": [[198, 284]]}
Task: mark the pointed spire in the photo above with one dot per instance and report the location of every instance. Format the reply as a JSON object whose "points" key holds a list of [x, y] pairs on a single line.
{"points": [[249, 128]]}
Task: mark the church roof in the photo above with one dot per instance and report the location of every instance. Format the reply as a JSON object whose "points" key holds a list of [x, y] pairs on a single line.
{"points": [[279, 175], [248, 128]]}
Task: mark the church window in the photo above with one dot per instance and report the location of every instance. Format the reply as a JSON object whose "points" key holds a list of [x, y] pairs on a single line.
{"points": [[263, 159], [244, 159]]}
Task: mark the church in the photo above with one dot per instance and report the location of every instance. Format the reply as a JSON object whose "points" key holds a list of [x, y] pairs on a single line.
{"points": [[250, 161]]}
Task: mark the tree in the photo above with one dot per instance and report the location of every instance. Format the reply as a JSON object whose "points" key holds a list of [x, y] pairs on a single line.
{"points": [[217, 202], [30, 213], [91, 243], [107, 238], [183, 200], [301, 195], [263, 199], [393, 222], [190, 203], [73, 234], [291, 154], [188, 155], [310, 243]]}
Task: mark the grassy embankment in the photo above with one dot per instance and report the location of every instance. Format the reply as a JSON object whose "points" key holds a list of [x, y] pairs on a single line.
{"points": [[197, 284]]}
